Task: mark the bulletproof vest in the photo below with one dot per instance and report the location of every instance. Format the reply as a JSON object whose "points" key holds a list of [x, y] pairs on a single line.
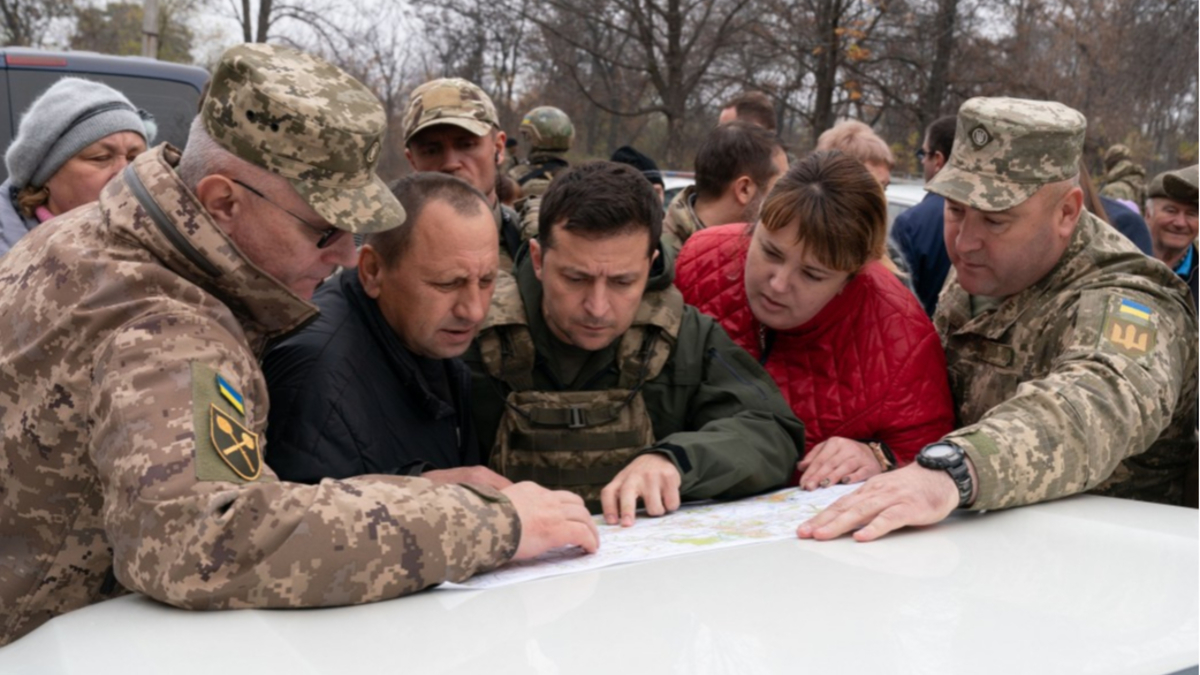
{"points": [[574, 440]]}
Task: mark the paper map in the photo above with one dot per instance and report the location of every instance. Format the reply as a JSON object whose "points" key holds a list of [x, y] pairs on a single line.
{"points": [[701, 527]]}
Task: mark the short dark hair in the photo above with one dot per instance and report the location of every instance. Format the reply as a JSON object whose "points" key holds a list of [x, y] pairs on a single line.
{"points": [[598, 200], [733, 150], [839, 206], [754, 107], [941, 135], [414, 193]]}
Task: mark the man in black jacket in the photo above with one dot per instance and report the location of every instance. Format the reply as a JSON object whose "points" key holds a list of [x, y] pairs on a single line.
{"points": [[373, 385]]}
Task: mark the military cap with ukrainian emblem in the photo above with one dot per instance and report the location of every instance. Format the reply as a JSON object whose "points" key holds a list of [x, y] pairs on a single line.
{"points": [[1006, 149], [311, 123], [453, 101]]}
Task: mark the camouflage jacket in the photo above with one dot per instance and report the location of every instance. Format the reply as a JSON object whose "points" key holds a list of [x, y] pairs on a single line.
{"points": [[1126, 181], [132, 409], [534, 176], [680, 221], [1085, 381], [716, 413]]}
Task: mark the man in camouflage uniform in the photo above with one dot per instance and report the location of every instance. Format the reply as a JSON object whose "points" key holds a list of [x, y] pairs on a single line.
{"points": [[1123, 179], [736, 166], [590, 373], [132, 407], [549, 133], [450, 126], [1072, 355]]}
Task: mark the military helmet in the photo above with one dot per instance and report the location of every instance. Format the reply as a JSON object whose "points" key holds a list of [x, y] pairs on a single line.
{"points": [[1115, 154], [547, 128]]}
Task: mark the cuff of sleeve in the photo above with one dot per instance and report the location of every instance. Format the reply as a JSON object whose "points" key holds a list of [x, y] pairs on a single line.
{"points": [[508, 524], [990, 491], [676, 454]]}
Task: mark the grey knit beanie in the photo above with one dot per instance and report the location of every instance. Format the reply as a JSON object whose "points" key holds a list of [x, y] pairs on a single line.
{"points": [[71, 115]]}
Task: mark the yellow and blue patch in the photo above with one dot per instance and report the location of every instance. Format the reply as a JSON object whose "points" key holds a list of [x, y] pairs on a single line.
{"points": [[1135, 311], [230, 394], [1129, 329]]}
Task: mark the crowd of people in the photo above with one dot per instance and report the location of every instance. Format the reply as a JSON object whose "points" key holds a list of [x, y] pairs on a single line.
{"points": [[251, 374]]}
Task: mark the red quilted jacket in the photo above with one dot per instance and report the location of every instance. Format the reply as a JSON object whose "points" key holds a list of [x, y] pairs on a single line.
{"points": [[869, 366]]}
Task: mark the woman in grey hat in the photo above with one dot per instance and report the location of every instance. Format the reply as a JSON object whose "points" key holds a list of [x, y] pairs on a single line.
{"points": [[72, 140]]}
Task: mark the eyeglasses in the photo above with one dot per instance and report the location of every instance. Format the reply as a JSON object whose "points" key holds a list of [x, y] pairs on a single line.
{"points": [[325, 236], [921, 154]]}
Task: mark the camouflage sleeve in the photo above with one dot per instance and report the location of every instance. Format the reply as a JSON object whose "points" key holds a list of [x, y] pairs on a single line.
{"points": [[196, 520], [1112, 388], [741, 437]]}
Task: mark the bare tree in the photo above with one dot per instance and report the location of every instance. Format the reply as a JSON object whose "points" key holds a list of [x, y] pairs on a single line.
{"points": [[26, 22], [673, 43]]}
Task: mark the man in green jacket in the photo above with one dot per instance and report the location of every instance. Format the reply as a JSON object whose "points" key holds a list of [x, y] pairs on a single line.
{"points": [[593, 376]]}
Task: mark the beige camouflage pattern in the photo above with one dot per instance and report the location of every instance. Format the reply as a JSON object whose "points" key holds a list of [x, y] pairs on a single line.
{"points": [[453, 101], [1125, 181], [574, 440], [547, 128], [535, 176], [680, 220], [309, 122], [1051, 403], [1005, 149], [106, 316]]}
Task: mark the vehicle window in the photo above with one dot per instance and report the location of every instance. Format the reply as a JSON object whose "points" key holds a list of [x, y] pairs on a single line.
{"points": [[6, 121], [173, 104]]}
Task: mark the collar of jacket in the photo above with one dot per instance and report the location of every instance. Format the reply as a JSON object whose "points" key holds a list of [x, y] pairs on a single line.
{"points": [[662, 274], [683, 210], [402, 361], [149, 204], [995, 323]]}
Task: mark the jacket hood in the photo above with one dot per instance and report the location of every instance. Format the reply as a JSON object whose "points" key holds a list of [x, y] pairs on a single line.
{"points": [[148, 203]]}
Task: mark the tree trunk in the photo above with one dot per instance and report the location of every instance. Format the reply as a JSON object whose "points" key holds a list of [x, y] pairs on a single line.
{"points": [[264, 20], [935, 93], [827, 65]]}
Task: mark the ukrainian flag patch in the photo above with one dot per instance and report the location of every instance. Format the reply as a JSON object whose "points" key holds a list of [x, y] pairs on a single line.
{"points": [[1135, 312], [230, 394]]}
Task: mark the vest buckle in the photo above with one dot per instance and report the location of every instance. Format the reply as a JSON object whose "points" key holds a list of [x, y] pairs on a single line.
{"points": [[578, 418]]}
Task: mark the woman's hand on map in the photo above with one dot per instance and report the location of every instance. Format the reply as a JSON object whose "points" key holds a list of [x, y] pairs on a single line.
{"points": [[837, 460], [652, 478], [550, 519]]}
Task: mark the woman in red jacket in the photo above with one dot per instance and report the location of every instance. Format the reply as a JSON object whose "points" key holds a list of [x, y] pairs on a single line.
{"points": [[805, 292]]}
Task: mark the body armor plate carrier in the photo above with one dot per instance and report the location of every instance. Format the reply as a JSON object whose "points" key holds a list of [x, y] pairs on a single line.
{"points": [[574, 440]]}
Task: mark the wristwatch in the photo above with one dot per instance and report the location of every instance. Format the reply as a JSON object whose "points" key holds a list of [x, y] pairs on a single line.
{"points": [[950, 458]]}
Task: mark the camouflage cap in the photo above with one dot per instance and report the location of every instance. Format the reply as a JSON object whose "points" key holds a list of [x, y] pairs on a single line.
{"points": [[1006, 149], [453, 101], [309, 122], [1181, 185]]}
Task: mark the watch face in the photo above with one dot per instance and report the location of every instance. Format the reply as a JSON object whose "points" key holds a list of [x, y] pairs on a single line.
{"points": [[940, 452]]}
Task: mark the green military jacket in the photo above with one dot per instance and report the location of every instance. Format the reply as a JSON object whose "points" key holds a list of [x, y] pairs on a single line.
{"points": [[132, 417], [680, 221], [1085, 381], [716, 413]]}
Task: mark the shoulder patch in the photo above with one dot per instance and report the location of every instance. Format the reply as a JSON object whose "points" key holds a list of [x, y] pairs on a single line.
{"points": [[1129, 328], [235, 444], [225, 448]]}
